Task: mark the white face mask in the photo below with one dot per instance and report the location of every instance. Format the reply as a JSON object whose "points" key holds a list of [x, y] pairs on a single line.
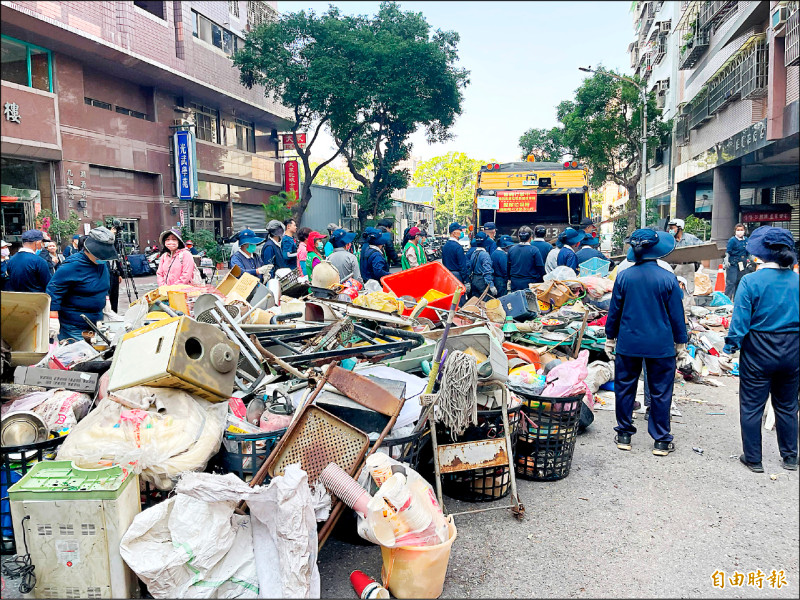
{"points": [[739, 234]]}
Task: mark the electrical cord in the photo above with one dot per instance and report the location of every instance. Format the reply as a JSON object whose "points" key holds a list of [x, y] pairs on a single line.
{"points": [[21, 566]]}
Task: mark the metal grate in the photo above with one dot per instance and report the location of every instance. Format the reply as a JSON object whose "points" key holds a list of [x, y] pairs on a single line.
{"points": [[94, 592], [66, 529], [661, 49], [792, 51], [44, 530], [698, 110], [682, 130], [726, 85], [72, 592], [259, 13], [754, 71], [713, 14]]}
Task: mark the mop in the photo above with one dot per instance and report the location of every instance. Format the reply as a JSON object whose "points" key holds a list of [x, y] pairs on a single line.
{"points": [[457, 402]]}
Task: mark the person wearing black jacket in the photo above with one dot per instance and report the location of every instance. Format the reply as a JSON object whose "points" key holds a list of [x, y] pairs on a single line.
{"points": [[385, 226]]}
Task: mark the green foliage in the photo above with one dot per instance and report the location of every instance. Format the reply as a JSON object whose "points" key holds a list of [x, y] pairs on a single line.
{"points": [[546, 145], [59, 229], [204, 240], [280, 206], [333, 177], [698, 226], [452, 178], [371, 81]]}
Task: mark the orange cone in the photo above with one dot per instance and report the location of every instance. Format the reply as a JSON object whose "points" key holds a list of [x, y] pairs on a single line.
{"points": [[719, 286]]}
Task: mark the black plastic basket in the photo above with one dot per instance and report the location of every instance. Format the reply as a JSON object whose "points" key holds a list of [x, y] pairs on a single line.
{"points": [[489, 484], [547, 437], [250, 452], [290, 286], [16, 461]]}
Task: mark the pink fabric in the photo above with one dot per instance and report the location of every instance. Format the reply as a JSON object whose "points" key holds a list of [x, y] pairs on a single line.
{"points": [[302, 253], [176, 269]]}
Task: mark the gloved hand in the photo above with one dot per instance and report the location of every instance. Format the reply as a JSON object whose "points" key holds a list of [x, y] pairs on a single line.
{"points": [[610, 347], [55, 328], [683, 360], [493, 291], [264, 270], [726, 262], [679, 348], [468, 287]]}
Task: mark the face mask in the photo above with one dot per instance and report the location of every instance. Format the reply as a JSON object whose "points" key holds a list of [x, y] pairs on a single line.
{"points": [[251, 248], [739, 234], [319, 245], [5, 252], [673, 232], [462, 236]]}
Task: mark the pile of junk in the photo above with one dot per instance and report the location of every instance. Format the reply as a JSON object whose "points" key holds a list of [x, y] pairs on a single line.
{"points": [[209, 442]]}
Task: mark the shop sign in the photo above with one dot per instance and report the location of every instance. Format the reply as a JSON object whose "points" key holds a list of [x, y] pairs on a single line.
{"points": [[82, 188], [292, 177], [11, 112], [517, 201], [766, 216], [288, 141], [488, 202], [185, 159]]}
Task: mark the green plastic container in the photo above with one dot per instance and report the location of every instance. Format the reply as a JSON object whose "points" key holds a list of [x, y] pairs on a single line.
{"points": [[61, 480]]}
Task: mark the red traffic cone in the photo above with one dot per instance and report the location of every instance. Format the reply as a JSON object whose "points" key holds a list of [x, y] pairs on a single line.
{"points": [[719, 286]]}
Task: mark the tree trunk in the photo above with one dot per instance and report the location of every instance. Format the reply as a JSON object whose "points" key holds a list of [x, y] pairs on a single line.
{"points": [[632, 207]]}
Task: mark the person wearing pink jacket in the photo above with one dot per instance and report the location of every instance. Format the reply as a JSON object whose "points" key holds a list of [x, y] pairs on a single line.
{"points": [[176, 264]]}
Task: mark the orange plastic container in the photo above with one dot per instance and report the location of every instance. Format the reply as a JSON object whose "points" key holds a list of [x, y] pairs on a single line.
{"points": [[513, 350], [419, 281]]}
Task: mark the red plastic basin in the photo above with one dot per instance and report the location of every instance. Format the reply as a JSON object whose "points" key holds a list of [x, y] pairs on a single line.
{"points": [[419, 281]]}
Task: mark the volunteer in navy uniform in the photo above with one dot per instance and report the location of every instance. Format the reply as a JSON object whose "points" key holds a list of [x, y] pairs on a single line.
{"points": [[453, 257], [27, 270], [480, 267], [525, 264], [542, 245], [490, 229], [500, 264], [766, 326], [645, 324], [246, 256], [589, 250], [81, 285], [373, 263], [572, 241], [736, 256]]}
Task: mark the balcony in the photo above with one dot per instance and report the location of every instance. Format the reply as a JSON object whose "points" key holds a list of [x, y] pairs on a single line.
{"points": [[660, 50], [712, 14], [682, 130], [694, 46], [634, 51], [725, 87], [698, 110], [754, 70], [792, 51]]}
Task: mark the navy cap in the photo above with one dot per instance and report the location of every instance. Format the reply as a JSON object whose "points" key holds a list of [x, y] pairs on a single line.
{"points": [[590, 241], [248, 236], [571, 237], [376, 237], [505, 241], [490, 226], [454, 226], [647, 244], [76, 237], [586, 222], [765, 242], [340, 238], [32, 235]]}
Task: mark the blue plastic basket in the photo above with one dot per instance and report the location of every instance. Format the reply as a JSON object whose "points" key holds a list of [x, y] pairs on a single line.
{"points": [[594, 267]]}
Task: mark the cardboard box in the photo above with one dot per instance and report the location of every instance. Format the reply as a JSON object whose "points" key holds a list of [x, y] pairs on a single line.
{"points": [[76, 381], [244, 286]]}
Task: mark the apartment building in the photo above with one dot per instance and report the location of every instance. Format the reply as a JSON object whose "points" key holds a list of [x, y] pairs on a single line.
{"points": [[733, 90], [93, 94]]}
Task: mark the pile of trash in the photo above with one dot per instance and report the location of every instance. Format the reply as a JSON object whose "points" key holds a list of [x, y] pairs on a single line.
{"points": [[250, 419]]}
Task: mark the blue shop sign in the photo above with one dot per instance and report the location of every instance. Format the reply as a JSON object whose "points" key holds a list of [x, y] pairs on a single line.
{"points": [[185, 158]]}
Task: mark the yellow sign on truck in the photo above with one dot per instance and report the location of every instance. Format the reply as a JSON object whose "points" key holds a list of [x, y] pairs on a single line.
{"points": [[555, 195]]}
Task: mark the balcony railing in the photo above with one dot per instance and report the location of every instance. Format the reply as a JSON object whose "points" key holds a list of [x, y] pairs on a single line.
{"points": [[792, 51], [698, 110], [682, 130], [692, 48], [754, 70], [725, 87], [661, 50], [712, 14]]}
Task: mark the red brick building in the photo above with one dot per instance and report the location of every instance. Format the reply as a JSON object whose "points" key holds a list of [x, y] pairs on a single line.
{"points": [[91, 93]]}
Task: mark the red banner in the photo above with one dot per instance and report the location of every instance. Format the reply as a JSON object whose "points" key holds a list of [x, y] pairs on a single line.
{"points": [[291, 177], [517, 201], [288, 141], [765, 215]]}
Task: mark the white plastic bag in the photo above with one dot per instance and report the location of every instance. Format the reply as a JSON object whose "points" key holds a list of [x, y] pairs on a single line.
{"points": [[561, 273]]}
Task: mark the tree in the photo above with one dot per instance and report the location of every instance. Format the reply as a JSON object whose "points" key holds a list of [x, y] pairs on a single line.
{"points": [[371, 82], [280, 206], [546, 145], [333, 177], [452, 178], [58, 229], [603, 126]]}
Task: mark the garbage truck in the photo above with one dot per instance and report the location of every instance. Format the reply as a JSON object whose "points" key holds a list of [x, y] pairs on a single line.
{"points": [[531, 193]]}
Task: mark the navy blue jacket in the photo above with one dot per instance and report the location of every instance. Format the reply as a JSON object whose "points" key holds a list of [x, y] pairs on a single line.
{"points": [[28, 272], [79, 286], [490, 246], [646, 312], [455, 260], [525, 264], [543, 247], [500, 268], [566, 257], [767, 301], [373, 263], [247, 265], [480, 270], [588, 253], [69, 251], [736, 250], [289, 246], [271, 254]]}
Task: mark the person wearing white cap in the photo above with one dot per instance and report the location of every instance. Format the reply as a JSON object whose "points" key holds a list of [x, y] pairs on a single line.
{"points": [[5, 255]]}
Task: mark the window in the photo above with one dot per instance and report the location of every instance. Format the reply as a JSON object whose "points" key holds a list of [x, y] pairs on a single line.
{"points": [[206, 122], [129, 231], [259, 12], [97, 103], [131, 113], [154, 8], [26, 64], [245, 135], [233, 8], [211, 33]]}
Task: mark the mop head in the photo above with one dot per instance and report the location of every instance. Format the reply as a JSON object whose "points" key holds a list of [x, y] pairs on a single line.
{"points": [[457, 402]]}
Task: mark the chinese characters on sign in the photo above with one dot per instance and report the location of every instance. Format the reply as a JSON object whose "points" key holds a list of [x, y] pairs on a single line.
{"points": [[288, 141], [11, 112], [185, 165], [488, 202], [759, 216], [776, 579], [292, 177], [82, 186], [517, 201]]}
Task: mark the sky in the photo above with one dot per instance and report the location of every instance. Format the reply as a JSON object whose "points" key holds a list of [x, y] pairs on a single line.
{"points": [[523, 59]]}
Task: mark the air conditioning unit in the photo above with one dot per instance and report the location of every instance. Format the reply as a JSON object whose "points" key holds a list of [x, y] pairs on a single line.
{"points": [[665, 26], [182, 123], [662, 85], [354, 210], [661, 101], [778, 19]]}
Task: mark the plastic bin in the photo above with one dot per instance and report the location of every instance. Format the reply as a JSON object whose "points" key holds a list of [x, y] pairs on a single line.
{"points": [[244, 453], [16, 462], [594, 267], [419, 281], [520, 305], [547, 437], [483, 485], [484, 342], [417, 571]]}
